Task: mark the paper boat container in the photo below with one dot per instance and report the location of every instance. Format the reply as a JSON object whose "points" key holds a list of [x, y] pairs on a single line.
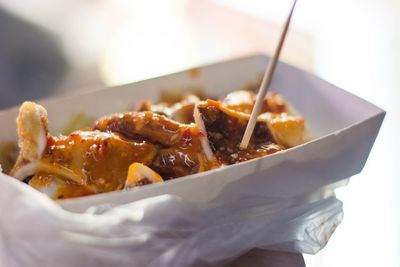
{"points": [[345, 127]]}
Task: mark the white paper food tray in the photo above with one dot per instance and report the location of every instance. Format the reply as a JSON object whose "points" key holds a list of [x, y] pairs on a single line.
{"points": [[345, 127]]}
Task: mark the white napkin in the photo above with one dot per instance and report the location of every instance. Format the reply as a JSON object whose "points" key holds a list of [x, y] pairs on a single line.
{"points": [[160, 231]]}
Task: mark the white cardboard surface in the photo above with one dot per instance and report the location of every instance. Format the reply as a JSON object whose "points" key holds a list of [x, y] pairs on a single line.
{"points": [[289, 190], [345, 127]]}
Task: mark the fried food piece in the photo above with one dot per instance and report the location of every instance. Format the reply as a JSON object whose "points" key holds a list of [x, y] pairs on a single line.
{"points": [[177, 162], [243, 101], [158, 143], [160, 108], [171, 96], [32, 129], [139, 174], [180, 149], [225, 128], [288, 130], [146, 126], [94, 161], [181, 111], [82, 163]]}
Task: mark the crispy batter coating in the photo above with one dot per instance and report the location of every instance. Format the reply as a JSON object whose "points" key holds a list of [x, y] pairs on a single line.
{"points": [[32, 129]]}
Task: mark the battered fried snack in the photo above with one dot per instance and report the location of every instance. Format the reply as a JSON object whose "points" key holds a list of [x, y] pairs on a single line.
{"points": [[154, 143]]}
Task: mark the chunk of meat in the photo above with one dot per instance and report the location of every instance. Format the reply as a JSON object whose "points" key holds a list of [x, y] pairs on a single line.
{"points": [[94, 161], [147, 126], [177, 162], [225, 128], [181, 152]]}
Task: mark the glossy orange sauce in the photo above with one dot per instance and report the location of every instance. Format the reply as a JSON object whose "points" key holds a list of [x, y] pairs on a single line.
{"points": [[92, 161]]}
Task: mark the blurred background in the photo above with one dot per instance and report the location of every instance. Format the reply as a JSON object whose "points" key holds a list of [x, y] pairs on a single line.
{"points": [[64, 47]]}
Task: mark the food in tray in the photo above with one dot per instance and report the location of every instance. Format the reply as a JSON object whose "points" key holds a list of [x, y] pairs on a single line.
{"points": [[154, 143]]}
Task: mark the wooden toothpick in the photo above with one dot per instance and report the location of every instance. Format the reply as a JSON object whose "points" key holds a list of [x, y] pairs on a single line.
{"points": [[265, 84]]}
